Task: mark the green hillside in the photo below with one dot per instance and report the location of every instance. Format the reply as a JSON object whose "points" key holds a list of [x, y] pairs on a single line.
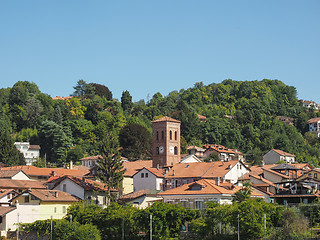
{"points": [[240, 114]]}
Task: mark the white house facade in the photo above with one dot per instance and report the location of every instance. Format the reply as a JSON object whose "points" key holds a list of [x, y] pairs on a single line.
{"points": [[31, 153]]}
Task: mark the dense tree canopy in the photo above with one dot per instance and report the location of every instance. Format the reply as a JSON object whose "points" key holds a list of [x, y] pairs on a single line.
{"points": [[239, 114]]}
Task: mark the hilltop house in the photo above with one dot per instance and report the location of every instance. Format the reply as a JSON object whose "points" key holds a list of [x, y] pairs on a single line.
{"points": [[84, 189], [196, 194], [31, 153], [314, 125], [275, 155]]}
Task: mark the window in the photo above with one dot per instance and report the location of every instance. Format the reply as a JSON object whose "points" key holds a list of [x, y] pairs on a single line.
{"points": [[26, 199], [158, 151], [162, 135], [55, 209], [147, 175], [199, 205], [64, 187], [175, 151], [315, 175], [64, 209], [142, 175], [170, 135], [175, 135], [157, 135]]}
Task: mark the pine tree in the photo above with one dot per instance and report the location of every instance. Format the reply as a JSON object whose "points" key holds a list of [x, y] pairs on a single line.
{"points": [[110, 169]]}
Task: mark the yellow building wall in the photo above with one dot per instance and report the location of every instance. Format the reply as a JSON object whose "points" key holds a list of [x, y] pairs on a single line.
{"points": [[47, 209], [127, 185], [56, 210]]}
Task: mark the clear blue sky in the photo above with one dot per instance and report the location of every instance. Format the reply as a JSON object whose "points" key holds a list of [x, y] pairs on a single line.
{"points": [[159, 46]]}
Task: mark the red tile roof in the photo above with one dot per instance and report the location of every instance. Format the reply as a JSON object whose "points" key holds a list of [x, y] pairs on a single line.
{"points": [[132, 167], [9, 173], [314, 120], [87, 184], [5, 210], [34, 147], [35, 171], [283, 153], [21, 184], [46, 195], [201, 169], [140, 193], [166, 119], [207, 187]]}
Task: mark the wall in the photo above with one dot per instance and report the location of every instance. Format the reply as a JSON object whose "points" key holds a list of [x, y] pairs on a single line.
{"points": [[236, 171], [151, 182], [127, 185], [72, 188], [20, 176], [271, 157]]}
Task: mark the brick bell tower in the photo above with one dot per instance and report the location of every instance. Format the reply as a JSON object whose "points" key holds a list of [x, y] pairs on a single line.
{"points": [[166, 142]]}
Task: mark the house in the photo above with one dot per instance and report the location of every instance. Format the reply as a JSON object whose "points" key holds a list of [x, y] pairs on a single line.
{"points": [[224, 153], [31, 153], [39, 204], [314, 125], [195, 195], [90, 161], [275, 156], [202, 118], [16, 174], [9, 219], [44, 174], [132, 167], [84, 189], [21, 185], [196, 151], [297, 191], [190, 159], [185, 173], [148, 178], [6, 195], [286, 120], [141, 199], [309, 104]]}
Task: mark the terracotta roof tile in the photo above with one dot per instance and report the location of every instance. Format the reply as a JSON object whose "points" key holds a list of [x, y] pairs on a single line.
{"points": [[208, 187], [313, 120], [35, 171], [140, 193], [21, 184], [87, 184], [4, 192], [166, 119], [9, 173], [46, 195], [34, 147], [5, 210], [132, 167], [283, 153], [201, 169]]}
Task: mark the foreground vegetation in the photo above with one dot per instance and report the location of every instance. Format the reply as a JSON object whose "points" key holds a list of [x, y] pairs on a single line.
{"points": [[88, 221], [240, 114]]}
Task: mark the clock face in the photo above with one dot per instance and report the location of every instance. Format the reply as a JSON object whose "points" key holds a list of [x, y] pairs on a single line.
{"points": [[161, 149], [171, 149]]}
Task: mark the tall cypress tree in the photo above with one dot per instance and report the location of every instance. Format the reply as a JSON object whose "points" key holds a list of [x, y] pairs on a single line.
{"points": [[110, 168]]}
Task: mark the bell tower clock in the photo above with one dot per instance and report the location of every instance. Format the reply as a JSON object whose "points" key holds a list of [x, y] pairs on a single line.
{"points": [[166, 142]]}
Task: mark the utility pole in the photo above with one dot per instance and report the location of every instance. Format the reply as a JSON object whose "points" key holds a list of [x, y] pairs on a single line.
{"points": [[238, 228], [51, 229], [122, 229], [18, 228], [150, 227], [265, 226]]}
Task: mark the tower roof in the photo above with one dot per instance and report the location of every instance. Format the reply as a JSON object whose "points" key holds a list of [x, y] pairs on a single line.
{"points": [[166, 119]]}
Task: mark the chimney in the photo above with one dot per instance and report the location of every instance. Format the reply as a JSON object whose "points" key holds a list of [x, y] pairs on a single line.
{"points": [[172, 172], [218, 181]]}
